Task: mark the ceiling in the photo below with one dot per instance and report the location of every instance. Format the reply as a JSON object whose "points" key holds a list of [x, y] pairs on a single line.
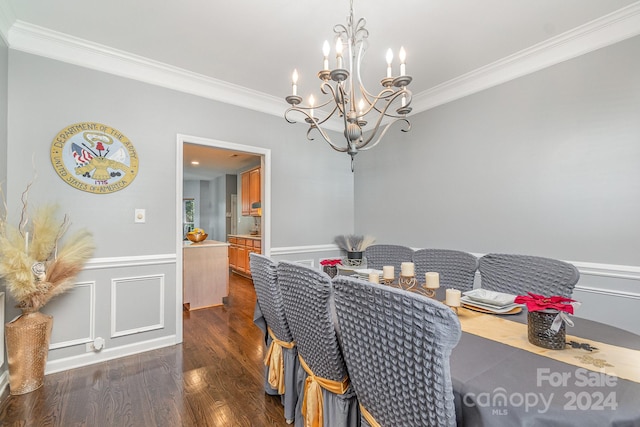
{"points": [[255, 44]]}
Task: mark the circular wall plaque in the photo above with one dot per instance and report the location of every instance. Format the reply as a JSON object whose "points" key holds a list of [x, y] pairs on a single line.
{"points": [[94, 157]]}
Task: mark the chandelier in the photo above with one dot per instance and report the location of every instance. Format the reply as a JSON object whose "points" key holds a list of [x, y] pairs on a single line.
{"points": [[341, 83]]}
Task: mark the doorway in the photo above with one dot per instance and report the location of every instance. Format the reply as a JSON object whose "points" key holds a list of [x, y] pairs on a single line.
{"points": [[216, 145]]}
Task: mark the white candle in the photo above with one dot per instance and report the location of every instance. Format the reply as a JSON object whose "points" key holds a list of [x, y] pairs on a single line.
{"points": [[325, 52], [294, 80], [432, 280], [389, 60], [374, 277], [407, 269], [403, 57], [26, 242], [312, 102], [453, 298], [387, 272], [339, 53]]}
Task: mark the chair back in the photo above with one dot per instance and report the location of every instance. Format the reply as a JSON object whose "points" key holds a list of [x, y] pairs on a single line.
{"points": [[397, 346], [519, 274], [380, 255], [306, 292], [265, 281], [457, 269]]}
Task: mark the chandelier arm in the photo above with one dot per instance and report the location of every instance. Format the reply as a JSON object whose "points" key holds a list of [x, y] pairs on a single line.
{"points": [[390, 99], [382, 115], [364, 147], [314, 124]]}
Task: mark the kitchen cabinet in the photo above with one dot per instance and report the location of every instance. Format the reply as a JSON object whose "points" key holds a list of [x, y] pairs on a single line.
{"points": [[205, 274], [251, 192], [240, 246]]}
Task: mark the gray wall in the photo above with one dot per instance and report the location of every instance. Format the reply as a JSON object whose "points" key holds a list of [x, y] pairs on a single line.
{"points": [[4, 57], [548, 164], [136, 262]]}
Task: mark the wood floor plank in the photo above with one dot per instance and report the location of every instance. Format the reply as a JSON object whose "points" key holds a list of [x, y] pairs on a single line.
{"points": [[214, 378]]}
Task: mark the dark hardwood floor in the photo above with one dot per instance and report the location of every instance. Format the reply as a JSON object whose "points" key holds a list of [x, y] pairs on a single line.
{"points": [[214, 378]]}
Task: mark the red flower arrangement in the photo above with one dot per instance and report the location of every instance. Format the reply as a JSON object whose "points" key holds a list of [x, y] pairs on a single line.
{"points": [[535, 302], [330, 262]]}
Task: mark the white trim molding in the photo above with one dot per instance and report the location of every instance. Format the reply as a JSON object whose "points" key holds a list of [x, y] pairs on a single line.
{"points": [[7, 18], [604, 31], [291, 250], [129, 261], [115, 333], [609, 29], [92, 319], [103, 355]]}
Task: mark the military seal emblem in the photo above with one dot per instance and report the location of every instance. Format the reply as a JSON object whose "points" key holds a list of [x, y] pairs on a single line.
{"points": [[94, 157]]}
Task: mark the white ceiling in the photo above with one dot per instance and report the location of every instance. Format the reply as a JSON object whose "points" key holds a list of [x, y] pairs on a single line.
{"points": [[255, 44]]}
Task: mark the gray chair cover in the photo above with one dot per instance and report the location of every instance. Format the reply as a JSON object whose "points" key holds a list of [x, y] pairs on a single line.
{"points": [[457, 269], [270, 312], [307, 298], [380, 255], [519, 274], [397, 346]]}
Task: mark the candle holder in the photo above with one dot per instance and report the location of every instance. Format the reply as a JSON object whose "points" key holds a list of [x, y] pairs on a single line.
{"points": [[387, 282], [453, 307], [407, 282], [428, 292]]}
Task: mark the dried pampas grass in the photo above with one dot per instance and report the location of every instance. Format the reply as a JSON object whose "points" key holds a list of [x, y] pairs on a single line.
{"points": [[354, 243], [35, 263]]}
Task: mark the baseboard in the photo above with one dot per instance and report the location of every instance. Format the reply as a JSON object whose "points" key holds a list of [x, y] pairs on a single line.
{"points": [[108, 354]]}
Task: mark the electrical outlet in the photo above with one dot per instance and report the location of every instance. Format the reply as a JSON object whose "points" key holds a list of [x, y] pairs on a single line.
{"points": [[96, 345]]}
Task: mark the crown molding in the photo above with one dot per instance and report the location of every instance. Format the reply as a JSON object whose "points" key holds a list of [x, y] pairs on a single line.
{"points": [[7, 18], [63, 47], [604, 31], [609, 29]]}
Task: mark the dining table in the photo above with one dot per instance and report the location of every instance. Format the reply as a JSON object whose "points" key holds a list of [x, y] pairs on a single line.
{"points": [[501, 379]]}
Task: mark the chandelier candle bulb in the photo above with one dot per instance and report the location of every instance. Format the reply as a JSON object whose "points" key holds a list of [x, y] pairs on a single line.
{"points": [[403, 67], [432, 280], [452, 298], [387, 272], [325, 52], [294, 81], [407, 269], [311, 104], [338, 54], [374, 278], [389, 60]]}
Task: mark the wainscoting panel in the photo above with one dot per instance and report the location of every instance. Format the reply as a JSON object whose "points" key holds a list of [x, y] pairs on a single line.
{"points": [[77, 326], [137, 304]]}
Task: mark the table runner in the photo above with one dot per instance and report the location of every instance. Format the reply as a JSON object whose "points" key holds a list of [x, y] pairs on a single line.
{"points": [[609, 359]]}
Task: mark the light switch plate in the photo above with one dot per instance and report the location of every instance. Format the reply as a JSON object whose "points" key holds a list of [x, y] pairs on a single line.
{"points": [[140, 216]]}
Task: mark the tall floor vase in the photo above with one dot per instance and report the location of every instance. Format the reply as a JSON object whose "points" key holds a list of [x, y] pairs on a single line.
{"points": [[27, 350]]}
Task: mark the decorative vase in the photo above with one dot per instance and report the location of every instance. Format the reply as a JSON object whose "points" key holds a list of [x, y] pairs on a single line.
{"points": [[331, 270], [354, 258], [540, 333], [27, 350]]}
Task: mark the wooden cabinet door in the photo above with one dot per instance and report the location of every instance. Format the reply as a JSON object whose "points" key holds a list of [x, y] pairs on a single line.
{"points": [[254, 190], [242, 258], [233, 256], [246, 193]]}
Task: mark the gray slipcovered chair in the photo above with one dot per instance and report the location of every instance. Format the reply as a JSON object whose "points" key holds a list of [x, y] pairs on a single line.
{"points": [[519, 274], [322, 374], [282, 371], [397, 346], [457, 269], [380, 255]]}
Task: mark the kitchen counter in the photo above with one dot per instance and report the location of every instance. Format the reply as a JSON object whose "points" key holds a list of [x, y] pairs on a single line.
{"points": [[205, 273], [246, 236], [204, 243]]}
